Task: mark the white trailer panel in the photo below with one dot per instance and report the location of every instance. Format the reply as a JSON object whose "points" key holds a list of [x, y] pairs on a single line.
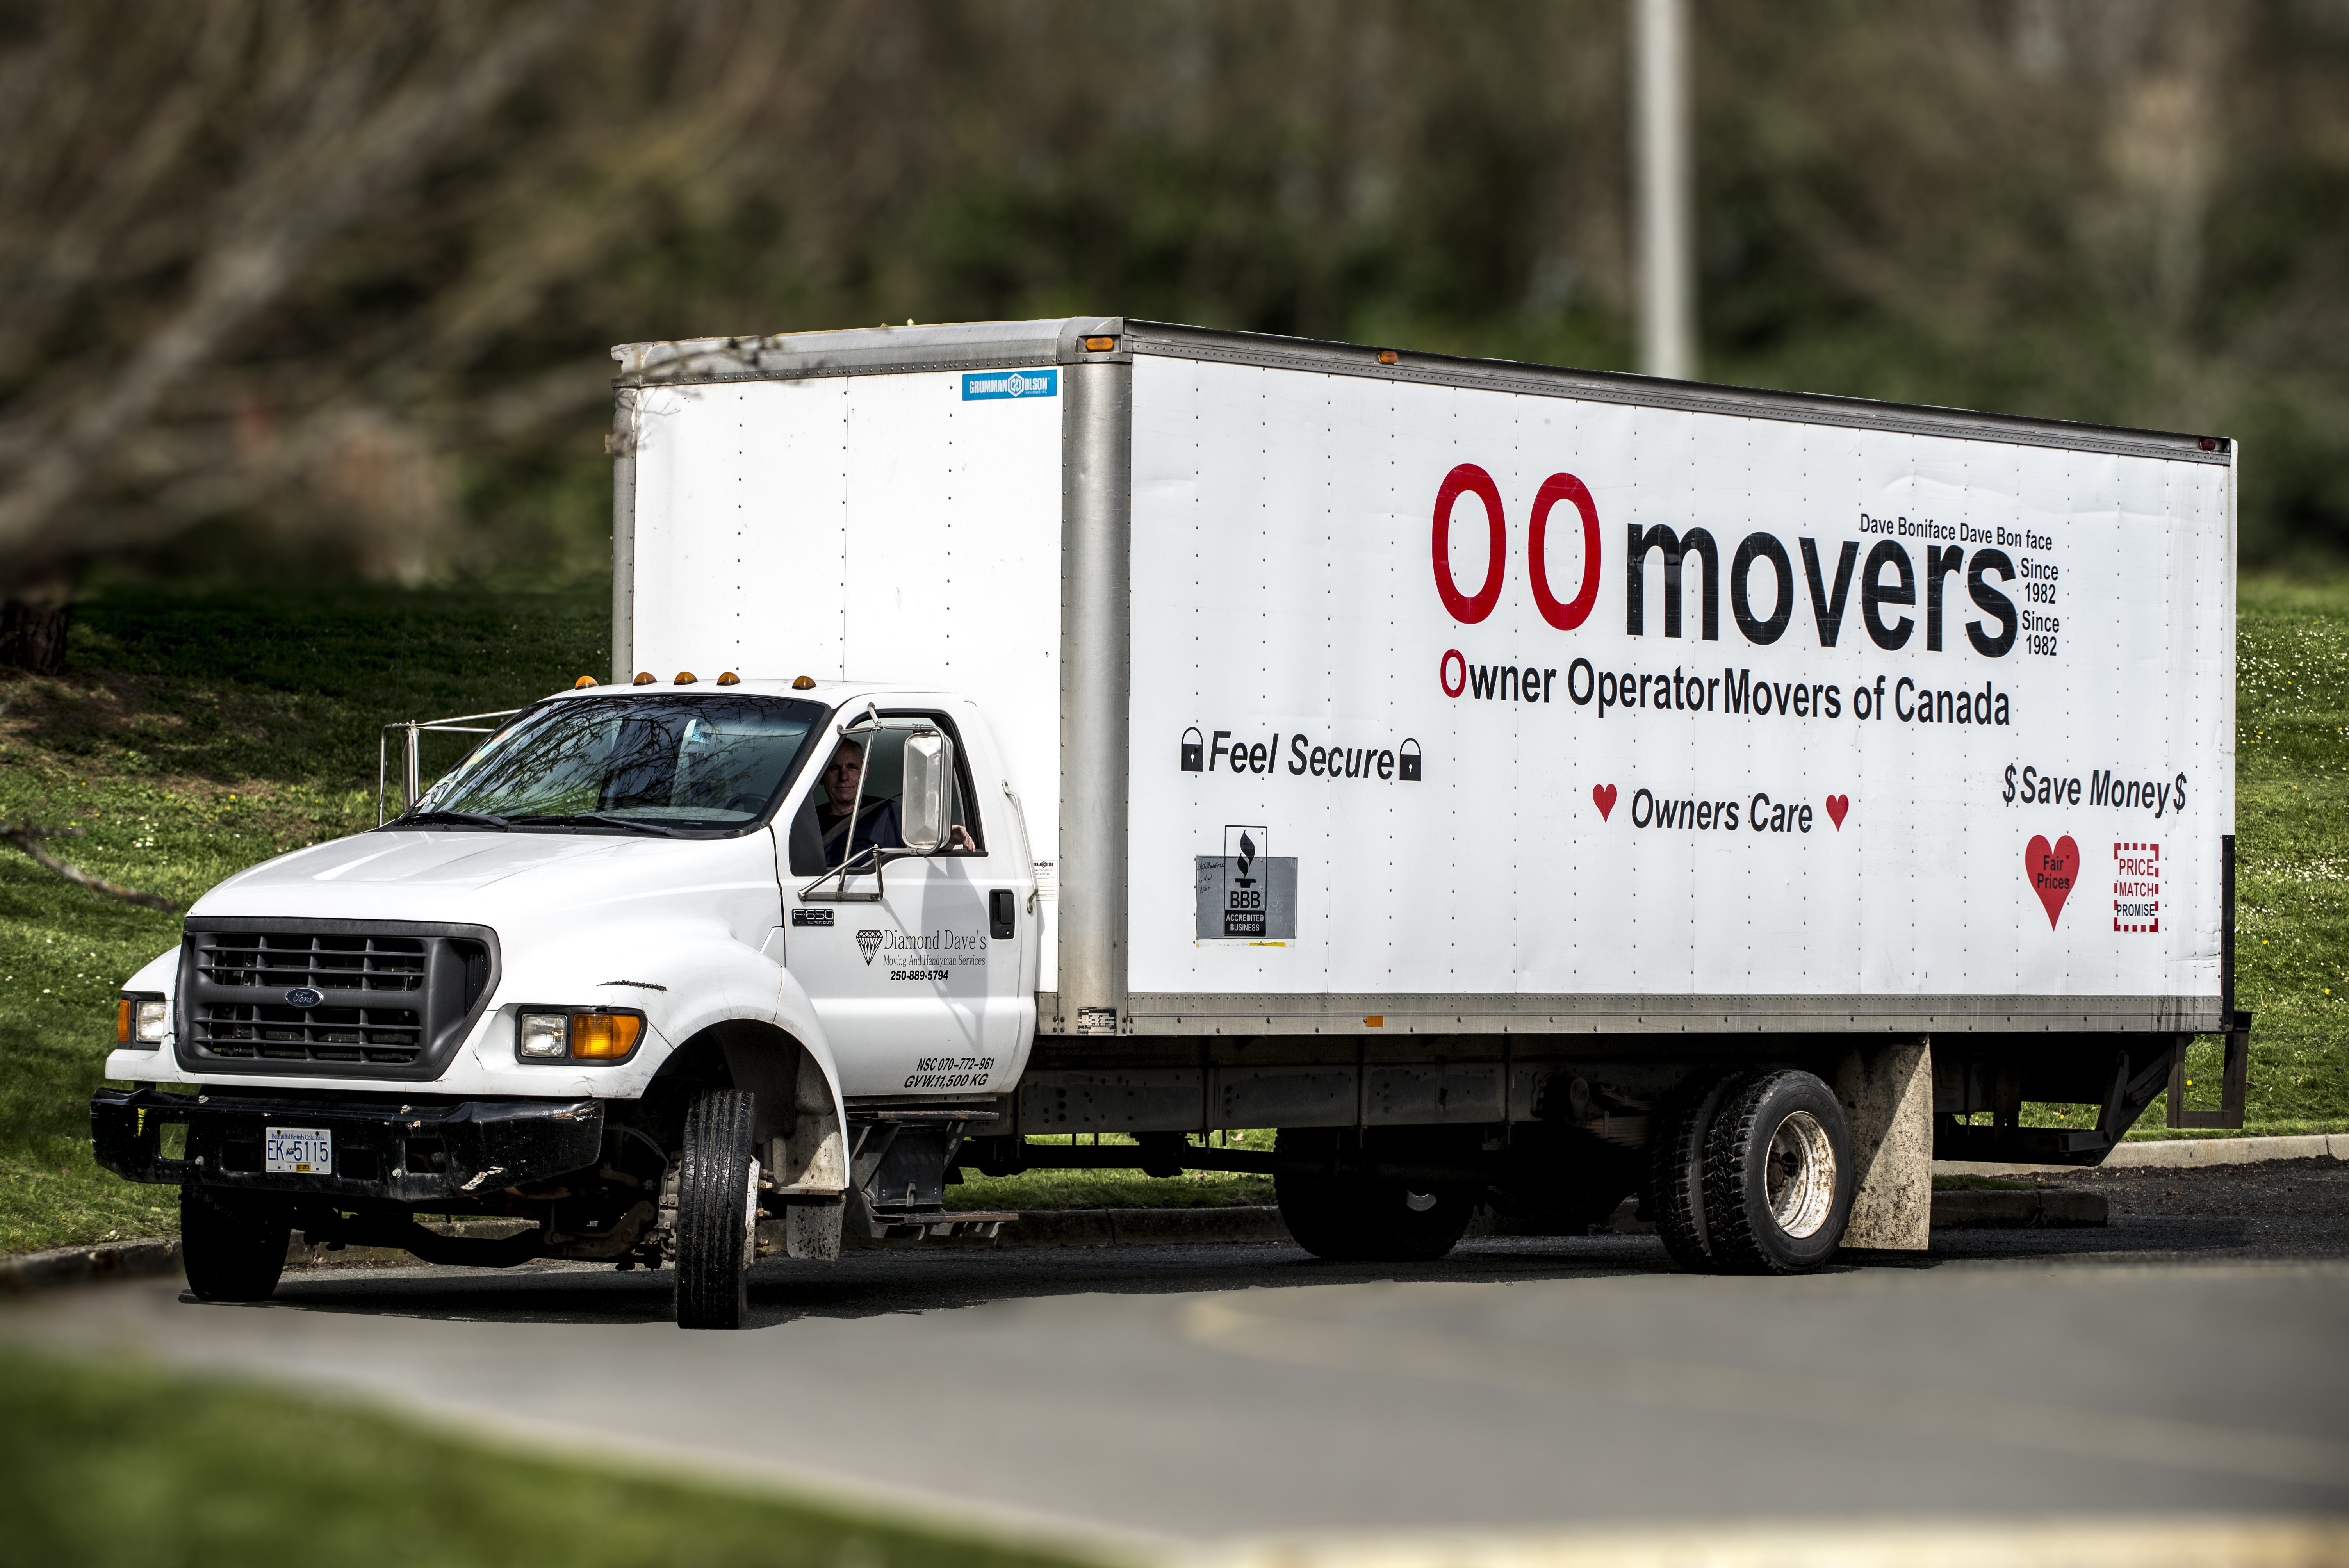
{"points": [[1286, 595]]}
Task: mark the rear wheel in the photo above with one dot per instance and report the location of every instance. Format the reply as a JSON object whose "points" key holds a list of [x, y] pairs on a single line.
{"points": [[717, 1213], [1676, 1179], [1359, 1218], [232, 1245], [1778, 1176]]}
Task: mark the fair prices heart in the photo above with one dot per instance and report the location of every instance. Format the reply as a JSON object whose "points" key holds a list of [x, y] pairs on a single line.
{"points": [[1837, 806], [1603, 797], [2052, 871]]}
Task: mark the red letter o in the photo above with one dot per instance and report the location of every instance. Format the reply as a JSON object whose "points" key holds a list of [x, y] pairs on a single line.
{"points": [[1444, 672], [1469, 477], [1556, 489]]}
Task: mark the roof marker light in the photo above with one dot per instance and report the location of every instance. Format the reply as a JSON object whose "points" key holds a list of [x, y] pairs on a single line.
{"points": [[1099, 345], [584, 681], [729, 679], [643, 677], [684, 677], [805, 682], [1388, 356]]}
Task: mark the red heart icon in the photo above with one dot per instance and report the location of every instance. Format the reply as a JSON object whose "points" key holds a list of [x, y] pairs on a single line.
{"points": [[1836, 806], [2052, 871], [1603, 797]]}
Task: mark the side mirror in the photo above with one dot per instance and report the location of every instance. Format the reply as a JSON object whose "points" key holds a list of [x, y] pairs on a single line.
{"points": [[926, 804]]}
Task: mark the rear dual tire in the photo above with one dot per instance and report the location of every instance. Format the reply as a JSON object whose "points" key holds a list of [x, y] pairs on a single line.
{"points": [[1754, 1175]]}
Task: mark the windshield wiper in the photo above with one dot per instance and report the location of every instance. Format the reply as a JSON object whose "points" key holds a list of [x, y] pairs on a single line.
{"points": [[593, 820], [466, 819]]}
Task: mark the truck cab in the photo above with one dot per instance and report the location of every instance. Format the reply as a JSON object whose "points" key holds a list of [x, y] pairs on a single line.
{"points": [[657, 961]]}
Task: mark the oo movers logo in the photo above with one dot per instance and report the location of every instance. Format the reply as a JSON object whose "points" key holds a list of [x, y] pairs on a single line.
{"points": [[1508, 681], [1889, 583]]}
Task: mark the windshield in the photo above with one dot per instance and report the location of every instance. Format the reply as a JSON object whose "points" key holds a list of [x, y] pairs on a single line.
{"points": [[664, 763]]}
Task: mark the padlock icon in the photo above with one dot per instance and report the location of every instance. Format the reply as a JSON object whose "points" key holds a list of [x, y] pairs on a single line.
{"points": [[1409, 759], [1195, 750]]}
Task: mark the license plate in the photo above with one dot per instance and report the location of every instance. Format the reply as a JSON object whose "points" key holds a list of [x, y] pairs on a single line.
{"points": [[298, 1151]]}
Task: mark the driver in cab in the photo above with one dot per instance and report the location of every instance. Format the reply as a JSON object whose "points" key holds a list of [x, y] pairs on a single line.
{"points": [[846, 832]]}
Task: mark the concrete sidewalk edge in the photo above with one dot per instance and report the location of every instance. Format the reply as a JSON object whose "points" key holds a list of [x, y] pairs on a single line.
{"points": [[2176, 1153]]}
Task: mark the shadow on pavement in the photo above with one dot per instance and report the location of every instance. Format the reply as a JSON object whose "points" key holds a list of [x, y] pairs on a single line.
{"points": [[870, 1284]]}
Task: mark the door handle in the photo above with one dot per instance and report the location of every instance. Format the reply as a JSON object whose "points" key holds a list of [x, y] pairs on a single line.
{"points": [[1002, 911]]}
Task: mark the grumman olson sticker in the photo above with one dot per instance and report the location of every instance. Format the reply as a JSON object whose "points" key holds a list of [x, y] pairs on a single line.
{"points": [[983, 384]]}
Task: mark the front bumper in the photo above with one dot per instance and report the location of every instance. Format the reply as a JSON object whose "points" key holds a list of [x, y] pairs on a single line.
{"points": [[406, 1154]]}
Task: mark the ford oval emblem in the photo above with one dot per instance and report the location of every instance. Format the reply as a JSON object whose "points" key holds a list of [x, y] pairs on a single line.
{"points": [[304, 997]]}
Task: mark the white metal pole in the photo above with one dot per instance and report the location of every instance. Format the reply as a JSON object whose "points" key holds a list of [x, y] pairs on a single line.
{"points": [[1663, 204]]}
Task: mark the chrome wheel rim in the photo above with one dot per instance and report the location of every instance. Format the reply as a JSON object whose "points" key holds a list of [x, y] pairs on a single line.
{"points": [[1799, 1175]]}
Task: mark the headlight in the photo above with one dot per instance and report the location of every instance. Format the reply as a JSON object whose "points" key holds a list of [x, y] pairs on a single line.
{"points": [[546, 1037], [141, 1022]]}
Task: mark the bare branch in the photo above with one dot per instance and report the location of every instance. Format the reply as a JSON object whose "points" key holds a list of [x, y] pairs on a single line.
{"points": [[28, 837], [281, 217]]}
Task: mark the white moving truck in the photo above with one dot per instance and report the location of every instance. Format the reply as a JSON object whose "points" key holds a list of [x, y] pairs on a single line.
{"points": [[1519, 787]]}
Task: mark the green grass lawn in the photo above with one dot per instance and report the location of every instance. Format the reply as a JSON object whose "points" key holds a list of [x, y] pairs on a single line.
{"points": [[132, 1466], [198, 732], [194, 735]]}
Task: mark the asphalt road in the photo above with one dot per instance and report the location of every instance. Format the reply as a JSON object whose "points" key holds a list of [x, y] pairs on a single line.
{"points": [[2190, 1359]]}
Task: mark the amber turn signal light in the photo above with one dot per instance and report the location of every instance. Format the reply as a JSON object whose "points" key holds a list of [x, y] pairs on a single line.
{"points": [[805, 682], [729, 679], [1099, 345], [643, 677], [603, 1036], [122, 1022]]}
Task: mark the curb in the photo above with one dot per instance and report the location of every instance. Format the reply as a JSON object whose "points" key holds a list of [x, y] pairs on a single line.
{"points": [[77, 1265], [2173, 1154], [1141, 1227]]}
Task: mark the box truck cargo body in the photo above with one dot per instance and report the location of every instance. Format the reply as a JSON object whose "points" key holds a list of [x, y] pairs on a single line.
{"points": [[1517, 786]]}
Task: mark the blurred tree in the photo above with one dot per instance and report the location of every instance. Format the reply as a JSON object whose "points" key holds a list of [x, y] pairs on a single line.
{"points": [[261, 254], [2134, 212], [327, 287]]}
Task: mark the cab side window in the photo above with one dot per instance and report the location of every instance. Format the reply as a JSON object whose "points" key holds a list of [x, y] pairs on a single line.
{"points": [[824, 832]]}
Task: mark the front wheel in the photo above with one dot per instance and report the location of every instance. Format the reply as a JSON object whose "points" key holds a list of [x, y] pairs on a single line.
{"points": [[233, 1247], [1777, 1176], [717, 1213]]}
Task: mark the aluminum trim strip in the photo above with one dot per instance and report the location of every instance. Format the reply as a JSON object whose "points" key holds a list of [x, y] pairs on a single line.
{"points": [[1503, 376], [1149, 1013]]}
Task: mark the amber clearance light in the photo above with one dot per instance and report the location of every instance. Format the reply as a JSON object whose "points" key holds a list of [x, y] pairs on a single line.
{"points": [[603, 1036]]}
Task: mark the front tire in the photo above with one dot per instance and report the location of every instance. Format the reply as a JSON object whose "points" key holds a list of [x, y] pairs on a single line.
{"points": [[1777, 1176], [232, 1248], [717, 1211]]}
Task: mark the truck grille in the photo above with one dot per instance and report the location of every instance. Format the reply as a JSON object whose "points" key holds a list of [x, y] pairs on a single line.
{"points": [[392, 1000], [280, 959]]}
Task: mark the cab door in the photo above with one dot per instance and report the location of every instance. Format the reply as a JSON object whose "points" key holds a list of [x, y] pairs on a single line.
{"points": [[916, 971]]}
